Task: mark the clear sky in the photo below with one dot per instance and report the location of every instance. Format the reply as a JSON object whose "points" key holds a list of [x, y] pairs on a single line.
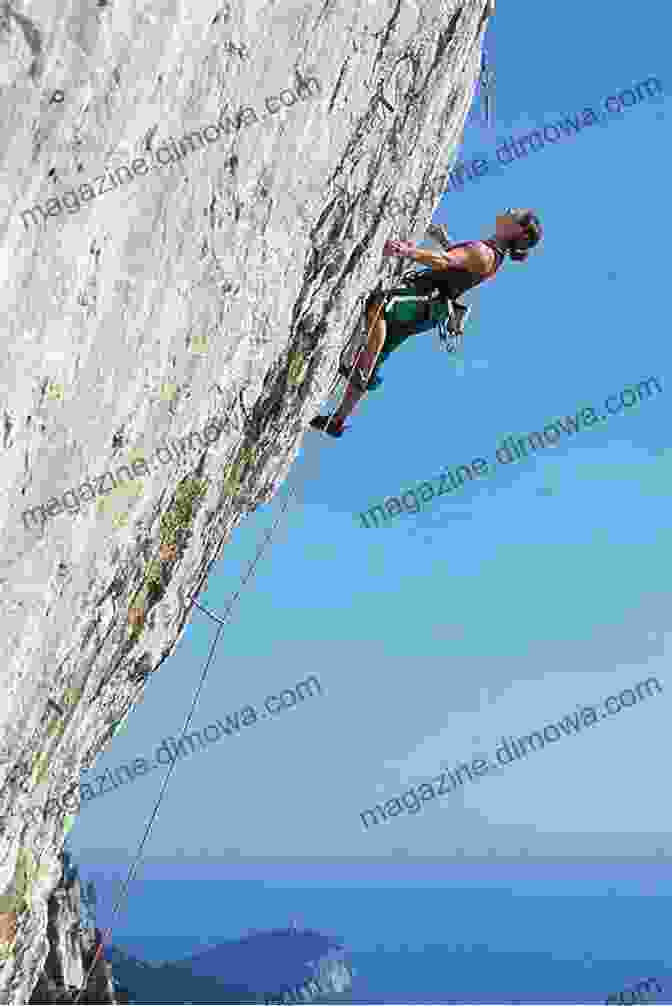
{"points": [[497, 609]]}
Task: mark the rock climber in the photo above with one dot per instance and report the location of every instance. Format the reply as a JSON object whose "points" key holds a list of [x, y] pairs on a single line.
{"points": [[451, 273]]}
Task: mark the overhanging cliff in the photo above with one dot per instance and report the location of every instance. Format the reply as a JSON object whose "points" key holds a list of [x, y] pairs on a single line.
{"points": [[182, 262]]}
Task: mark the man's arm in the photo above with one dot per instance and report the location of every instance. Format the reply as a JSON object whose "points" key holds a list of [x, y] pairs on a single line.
{"points": [[476, 258]]}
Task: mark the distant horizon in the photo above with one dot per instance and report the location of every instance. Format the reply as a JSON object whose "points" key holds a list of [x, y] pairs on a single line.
{"points": [[522, 860]]}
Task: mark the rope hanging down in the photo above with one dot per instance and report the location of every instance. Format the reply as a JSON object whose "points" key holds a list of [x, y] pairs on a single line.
{"points": [[221, 623]]}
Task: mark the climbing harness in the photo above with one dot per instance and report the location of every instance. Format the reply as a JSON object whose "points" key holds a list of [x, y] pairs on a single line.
{"points": [[450, 327]]}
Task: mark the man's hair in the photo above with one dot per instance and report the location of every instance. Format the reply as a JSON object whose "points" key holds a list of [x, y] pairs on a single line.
{"points": [[518, 252]]}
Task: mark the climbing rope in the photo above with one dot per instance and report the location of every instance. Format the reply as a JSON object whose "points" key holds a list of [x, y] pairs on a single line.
{"points": [[221, 623], [486, 81]]}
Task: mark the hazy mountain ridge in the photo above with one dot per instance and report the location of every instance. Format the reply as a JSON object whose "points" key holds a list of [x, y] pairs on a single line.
{"points": [[273, 966]]}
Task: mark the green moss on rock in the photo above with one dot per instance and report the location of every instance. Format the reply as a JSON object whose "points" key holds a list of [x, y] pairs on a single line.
{"points": [[177, 519], [298, 365], [233, 478]]}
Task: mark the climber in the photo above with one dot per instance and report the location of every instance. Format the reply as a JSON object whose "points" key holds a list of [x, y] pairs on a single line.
{"points": [[451, 273]]}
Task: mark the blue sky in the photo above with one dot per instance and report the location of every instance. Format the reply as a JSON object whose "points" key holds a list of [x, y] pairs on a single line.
{"points": [[497, 609]]}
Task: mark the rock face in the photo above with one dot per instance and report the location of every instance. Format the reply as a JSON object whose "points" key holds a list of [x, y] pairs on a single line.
{"points": [[182, 260], [71, 963]]}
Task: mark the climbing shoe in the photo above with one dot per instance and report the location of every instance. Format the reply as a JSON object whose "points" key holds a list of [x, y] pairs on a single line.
{"points": [[335, 428]]}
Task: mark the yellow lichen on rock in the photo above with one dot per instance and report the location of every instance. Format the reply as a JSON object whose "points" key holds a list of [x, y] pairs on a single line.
{"points": [[55, 391], [233, 478], [56, 728], [27, 874], [168, 391], [178, 518], [136, 454], [71, 696], [40, 770], [198, 344], [297, 369], [181, 511], [124, 492]]}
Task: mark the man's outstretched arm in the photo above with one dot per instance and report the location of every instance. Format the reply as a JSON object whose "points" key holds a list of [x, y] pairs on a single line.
{"points": [[476, 257]]}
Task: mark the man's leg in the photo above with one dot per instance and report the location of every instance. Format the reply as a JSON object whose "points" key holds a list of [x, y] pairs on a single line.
{"points": [[366, 361]]}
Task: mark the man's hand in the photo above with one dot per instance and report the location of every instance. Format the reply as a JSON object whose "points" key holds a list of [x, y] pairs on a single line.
{"points": [[402, 249]]}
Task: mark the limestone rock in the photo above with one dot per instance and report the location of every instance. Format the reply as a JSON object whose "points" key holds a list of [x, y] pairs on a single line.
{"points": [[71, 963], [182, 260]]}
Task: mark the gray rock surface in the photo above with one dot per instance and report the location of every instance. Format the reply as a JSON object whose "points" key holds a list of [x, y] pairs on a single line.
{"points": [[72, 963], [216, 287]]}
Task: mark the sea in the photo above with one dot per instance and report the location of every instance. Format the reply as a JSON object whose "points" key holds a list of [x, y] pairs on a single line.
{"points": [[543, 933]]}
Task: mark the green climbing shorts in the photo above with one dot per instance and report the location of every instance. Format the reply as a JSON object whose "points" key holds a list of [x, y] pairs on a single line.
{"points": [[404, 318]]}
